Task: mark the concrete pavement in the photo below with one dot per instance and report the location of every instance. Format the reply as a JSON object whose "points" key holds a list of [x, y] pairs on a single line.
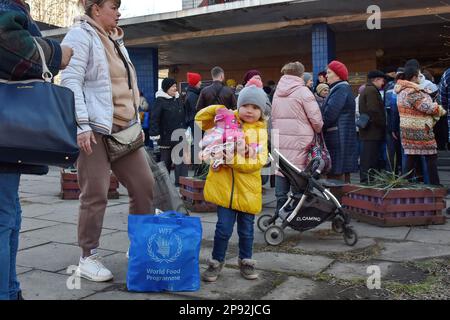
{"points": [[413, 261]]}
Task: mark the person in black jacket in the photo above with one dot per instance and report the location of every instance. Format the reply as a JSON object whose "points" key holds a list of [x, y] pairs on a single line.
{"points": [[374, 134], [167, 116], [217, 92]]}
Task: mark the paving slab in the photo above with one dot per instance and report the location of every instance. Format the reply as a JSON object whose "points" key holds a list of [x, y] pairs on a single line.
{"points": [[430, 236], [62, 233], [21, 270], [408, 251], [52, 257], [292, 289], [117, 241], [124, 295], [32, 210], [116, 221], [30, 224], [25, 242], [292, 263], [64, 216], [41, 285], [445, 226], [230, 285], [41, 199], [42, 187], [338, 245], [122, 208], [365, 230], [357, 271]]}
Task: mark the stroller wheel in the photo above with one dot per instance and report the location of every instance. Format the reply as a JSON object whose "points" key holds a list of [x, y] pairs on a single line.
{"points": [[263, 222], [274, 235], [350, 236], [338, 224]]}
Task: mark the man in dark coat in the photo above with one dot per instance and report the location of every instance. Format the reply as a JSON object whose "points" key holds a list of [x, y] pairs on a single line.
{"points": [[217, 92], [339, 123], [373, 135], [20, 61]]}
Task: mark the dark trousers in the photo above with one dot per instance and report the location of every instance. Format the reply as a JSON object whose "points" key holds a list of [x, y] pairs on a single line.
{"points": [[414, 162], [181, 170], [441, 133], [282, 188], [370, 158], [394, 152]]}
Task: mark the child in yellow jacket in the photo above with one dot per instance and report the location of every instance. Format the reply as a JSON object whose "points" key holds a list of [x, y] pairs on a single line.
{"points": [[236, 187]]}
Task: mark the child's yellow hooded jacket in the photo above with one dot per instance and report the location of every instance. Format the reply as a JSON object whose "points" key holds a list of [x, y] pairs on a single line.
{"points": [[237, 186]]}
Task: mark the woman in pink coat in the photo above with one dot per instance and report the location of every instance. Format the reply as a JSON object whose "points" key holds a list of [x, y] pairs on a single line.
{"points": [[297, 117]]}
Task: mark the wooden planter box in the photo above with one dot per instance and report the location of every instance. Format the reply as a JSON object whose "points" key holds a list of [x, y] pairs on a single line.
{"points": [[399, 207], [191, 190], [70, 189]]}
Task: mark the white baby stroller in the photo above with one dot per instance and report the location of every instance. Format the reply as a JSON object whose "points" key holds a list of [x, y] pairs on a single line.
{"points": [[313, 206]]}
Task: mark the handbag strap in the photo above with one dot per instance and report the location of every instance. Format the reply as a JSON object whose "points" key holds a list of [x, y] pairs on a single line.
{"points": [[127, 67], [124, 60], [46, 74]]}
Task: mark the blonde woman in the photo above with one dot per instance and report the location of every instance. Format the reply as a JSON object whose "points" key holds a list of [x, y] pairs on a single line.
{"points": [[104, 82]]}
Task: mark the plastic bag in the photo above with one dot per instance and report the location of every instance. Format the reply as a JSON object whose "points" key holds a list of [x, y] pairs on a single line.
{"points": [[164, 252]]}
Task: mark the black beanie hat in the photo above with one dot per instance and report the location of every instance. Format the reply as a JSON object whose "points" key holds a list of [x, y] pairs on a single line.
{"points": [[375, 74], [167, 83]]}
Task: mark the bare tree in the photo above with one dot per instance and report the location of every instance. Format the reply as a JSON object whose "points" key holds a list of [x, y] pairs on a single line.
{"points": [[54, 12]]}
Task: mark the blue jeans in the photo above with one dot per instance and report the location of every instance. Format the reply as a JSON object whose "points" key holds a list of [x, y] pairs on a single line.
{"points": [[282, 188], [10, 220], [224, 231]]}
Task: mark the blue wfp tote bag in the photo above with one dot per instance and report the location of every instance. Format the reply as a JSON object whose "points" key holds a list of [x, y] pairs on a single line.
{"points": [[164, 252]]}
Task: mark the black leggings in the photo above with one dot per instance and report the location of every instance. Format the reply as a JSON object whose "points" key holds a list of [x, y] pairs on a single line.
{"points": [[181, 170], [413, 162]]}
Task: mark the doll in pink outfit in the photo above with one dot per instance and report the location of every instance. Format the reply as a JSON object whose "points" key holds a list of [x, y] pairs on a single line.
{"points": [[225, 138]]}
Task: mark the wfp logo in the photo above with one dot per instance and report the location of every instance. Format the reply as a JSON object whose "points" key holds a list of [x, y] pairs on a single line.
{"points": [[164, 246]]}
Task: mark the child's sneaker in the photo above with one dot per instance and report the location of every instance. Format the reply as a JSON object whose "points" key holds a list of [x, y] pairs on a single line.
{"points": [[91, 268], [212, 273], [248, 270]]}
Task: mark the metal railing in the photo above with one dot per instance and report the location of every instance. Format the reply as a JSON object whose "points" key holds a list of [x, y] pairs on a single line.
{"points": [[189, 4]]}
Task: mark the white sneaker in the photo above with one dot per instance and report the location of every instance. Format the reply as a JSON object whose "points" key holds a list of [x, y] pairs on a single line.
{"points": [[128, 254], [91, 268]]}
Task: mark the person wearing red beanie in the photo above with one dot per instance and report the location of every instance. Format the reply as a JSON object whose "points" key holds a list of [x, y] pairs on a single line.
{"points": [[339, 69], [250, 74], [193, 78], [190, 102], [339, 129]]}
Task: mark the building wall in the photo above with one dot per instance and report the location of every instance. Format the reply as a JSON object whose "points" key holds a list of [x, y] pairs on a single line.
{"points": [[358, 62]]}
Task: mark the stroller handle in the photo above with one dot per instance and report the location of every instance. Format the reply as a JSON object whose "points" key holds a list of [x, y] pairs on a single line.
{"points": [[308, 170]]}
